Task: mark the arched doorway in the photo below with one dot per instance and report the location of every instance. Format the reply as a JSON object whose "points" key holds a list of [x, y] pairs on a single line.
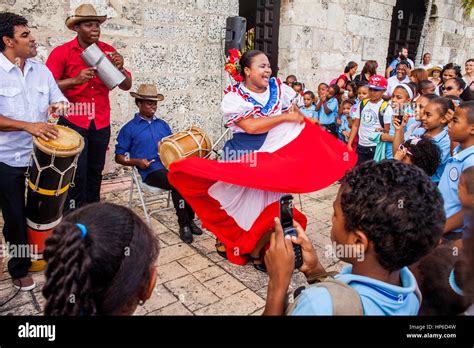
{"points": [[407, 22]]}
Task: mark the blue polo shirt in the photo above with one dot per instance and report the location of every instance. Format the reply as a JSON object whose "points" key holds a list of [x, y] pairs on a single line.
{"points": [[330, 118], [449, 182], [378, 298], [443, 142], [139, 138], [311, 112]]}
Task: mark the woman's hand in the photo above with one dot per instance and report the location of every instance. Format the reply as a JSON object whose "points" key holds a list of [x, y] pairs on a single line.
{"points": [[295, 116], [400, 154]]}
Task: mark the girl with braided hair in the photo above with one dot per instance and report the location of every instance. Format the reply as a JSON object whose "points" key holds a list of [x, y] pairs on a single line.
{"points": [[100, 262]]}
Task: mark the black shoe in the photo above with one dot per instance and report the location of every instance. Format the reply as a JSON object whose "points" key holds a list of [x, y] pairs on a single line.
{"points": [[258, 264], [195, 229], [185, 234]]}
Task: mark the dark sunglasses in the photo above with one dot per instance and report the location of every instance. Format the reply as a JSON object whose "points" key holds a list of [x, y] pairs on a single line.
{"points": [[450, 88]]}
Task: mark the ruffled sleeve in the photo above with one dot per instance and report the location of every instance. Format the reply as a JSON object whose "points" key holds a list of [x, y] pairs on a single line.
{"points": [[234, 108], [288, 95]]}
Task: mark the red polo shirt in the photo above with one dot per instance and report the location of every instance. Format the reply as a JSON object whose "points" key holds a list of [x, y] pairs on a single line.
{"points": [[90, 100]]}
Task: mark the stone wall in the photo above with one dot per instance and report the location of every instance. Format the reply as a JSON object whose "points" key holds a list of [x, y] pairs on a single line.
{"points": [[319, 37], [450, 37], [176, 44]]}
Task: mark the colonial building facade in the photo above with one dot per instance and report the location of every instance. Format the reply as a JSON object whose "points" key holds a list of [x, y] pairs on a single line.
{"points": [[178, 44]]}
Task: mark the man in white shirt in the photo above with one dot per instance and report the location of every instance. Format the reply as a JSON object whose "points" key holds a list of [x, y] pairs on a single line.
{"points": [[426, 62], [27, 92], [400, 77]]}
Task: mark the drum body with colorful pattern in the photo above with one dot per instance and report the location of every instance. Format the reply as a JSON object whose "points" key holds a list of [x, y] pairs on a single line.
{"points": [[51, 173]]}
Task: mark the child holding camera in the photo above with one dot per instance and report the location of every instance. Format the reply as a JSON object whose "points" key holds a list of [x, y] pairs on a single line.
{"points": [[378, 272]]}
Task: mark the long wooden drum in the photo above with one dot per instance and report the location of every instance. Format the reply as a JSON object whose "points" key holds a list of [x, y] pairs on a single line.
{"points": [[190, 143], [51, 173]]}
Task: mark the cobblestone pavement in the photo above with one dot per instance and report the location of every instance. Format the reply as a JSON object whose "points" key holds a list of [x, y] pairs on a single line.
{"points": [[193, 279]]}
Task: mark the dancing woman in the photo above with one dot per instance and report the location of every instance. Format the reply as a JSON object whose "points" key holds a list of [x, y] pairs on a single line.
{"points": [[274, 150]]}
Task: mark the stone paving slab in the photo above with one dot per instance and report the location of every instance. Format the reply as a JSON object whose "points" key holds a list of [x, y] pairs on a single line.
{"points": [[193, 279]]}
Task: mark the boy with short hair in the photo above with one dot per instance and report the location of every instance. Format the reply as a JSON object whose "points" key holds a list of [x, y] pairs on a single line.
{"points": [[405, 225], [372, 114], [460, 130]]}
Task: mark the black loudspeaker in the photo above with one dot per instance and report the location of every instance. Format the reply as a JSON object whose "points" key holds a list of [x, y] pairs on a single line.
{"points": [[236, 28]]}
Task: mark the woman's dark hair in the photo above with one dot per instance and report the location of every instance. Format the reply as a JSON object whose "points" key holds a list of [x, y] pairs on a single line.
{"points": [[349, 66], [397, 206], [247, 59], [347, 101], [8, 22], [310, 93], [298, 84], [425, 155], [103, 272], [323, 84], [451, 66], [370, 67], [461, 84], [433, 278]]}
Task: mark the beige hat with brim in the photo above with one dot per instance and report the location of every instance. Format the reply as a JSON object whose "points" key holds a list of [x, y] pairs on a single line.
{"points": [[147, 92], [83, 13]]}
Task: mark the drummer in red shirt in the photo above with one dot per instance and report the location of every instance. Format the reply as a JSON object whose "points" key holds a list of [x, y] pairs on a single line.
{"points": [[90, 114]]}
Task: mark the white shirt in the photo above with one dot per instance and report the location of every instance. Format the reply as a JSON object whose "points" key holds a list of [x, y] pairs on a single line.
{"points": [[394, 82], [426, 67], [369, 121], [24, 96], [235, 107]]}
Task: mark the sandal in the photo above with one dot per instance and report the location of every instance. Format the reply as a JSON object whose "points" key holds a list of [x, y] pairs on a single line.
{"points": [[220, 249], [258, 263]]}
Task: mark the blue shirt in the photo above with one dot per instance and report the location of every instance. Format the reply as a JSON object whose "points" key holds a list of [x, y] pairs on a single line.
{"points": [[448, 185], [24, 96], [311, 112], [139, 138], [378, 298], [344, 126], [330, 118]]}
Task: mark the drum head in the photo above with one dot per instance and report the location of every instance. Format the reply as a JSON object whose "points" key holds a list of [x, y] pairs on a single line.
{"points": [[169, 153], [68, 143]]}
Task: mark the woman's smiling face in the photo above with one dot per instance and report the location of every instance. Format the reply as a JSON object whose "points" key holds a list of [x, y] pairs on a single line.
{"points": [[259, 72]]}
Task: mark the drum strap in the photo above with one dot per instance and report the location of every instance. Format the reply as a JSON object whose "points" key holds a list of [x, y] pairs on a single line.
{"points": [[46, 192]]}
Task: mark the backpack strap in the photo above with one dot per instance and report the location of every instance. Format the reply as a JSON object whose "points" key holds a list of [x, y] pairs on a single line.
{"points": [[345, 299], [382, 109]]}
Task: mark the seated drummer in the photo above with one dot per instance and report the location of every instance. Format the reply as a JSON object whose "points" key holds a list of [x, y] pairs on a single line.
{"points": [[139, 138]]}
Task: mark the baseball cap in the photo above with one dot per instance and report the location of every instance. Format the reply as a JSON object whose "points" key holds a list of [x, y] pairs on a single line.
{"points": [[378, 83]]}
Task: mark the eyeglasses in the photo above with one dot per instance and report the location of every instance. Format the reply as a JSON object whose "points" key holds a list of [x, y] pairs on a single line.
{"points": [[450, 88], [403, 147]]}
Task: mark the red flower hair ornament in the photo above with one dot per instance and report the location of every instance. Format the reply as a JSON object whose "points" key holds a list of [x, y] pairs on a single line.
{"points": [[233, 66]]}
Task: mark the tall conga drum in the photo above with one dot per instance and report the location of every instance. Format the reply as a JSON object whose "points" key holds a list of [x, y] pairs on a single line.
{"points": [[52, 168], [193, 142]]}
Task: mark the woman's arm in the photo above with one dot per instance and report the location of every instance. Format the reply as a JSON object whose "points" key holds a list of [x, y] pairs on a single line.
{"points": [[262, 125]]}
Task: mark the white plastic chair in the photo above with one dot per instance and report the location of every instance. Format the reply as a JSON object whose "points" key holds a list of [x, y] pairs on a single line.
{"points": [[144, 188]]}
